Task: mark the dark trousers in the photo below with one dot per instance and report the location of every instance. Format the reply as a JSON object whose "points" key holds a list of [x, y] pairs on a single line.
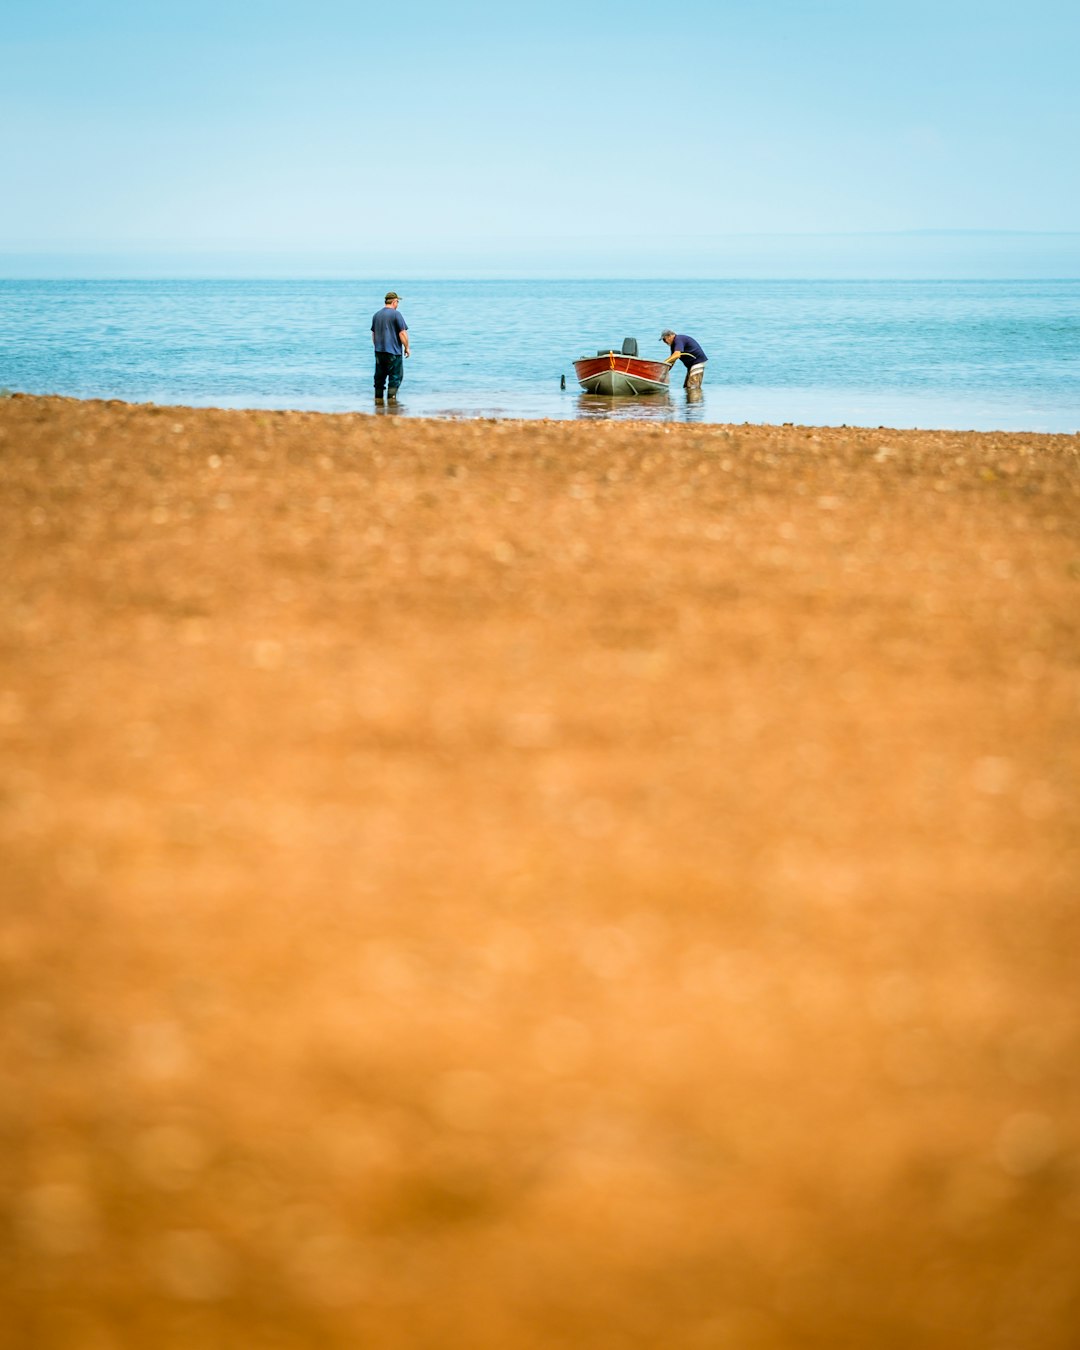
{"points": [[389, 370]]}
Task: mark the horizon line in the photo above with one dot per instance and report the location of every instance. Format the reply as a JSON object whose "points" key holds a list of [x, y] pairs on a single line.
{"points": [[551, 280]]}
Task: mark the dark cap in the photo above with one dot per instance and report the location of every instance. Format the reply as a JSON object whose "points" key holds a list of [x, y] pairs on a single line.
{"points": [[391, 295]]}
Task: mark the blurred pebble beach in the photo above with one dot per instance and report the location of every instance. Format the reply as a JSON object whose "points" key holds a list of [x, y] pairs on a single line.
{"points": [[493, 885]]}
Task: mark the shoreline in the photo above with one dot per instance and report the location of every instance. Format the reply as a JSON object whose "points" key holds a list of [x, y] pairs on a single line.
{"points": [[505, 883], [452, 417]]}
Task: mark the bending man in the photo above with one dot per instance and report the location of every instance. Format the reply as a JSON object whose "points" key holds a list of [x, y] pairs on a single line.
{"points": [[689, 352]]}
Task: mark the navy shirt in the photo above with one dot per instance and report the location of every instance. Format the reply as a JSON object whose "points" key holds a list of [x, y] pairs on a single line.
{"points": [[691, 350], [386, 325]]}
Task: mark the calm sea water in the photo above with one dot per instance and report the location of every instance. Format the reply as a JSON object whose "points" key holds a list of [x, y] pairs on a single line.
{"points": [[982, 355]]}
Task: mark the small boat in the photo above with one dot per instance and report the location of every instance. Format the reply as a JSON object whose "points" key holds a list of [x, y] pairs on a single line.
{"points": [[622, 372]]}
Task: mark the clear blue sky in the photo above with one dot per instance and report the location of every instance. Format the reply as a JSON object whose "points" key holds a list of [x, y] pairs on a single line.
{"points": [[440, 137]]}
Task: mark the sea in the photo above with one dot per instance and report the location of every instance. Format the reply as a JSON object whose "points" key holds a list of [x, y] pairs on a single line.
{"points": [[982, 355]]}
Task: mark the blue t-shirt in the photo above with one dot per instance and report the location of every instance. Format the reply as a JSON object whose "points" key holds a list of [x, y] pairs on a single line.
{"points": [[386, 325], [691, 350]]}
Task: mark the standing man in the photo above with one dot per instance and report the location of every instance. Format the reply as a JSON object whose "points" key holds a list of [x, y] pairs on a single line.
{"points": [[688, 351], [390, 334]]}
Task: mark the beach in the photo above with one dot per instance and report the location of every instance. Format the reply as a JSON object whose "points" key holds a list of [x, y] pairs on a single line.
{"points": [[505, 885]]}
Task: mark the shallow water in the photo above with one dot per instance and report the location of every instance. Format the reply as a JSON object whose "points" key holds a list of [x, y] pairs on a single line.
{"points": [[980, 355]]}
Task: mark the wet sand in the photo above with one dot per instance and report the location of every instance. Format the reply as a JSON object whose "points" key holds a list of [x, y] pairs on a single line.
{"points": [[524, 885]]}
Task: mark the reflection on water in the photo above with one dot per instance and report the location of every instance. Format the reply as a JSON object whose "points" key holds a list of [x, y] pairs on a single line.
{"points": [[618, 407], [681, 406], [666, 407]]}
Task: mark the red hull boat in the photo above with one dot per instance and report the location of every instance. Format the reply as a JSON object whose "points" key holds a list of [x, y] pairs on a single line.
{"points": [[622, 372]]}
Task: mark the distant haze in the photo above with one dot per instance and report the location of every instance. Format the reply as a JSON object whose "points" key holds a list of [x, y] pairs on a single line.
{"points": [[954, 255], [821, 138]]}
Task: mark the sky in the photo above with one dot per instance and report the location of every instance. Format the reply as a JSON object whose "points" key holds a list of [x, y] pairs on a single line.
{"points": [[738, 137]]}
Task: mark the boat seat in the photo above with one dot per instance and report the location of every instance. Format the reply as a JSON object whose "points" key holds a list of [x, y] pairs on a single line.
{"points": [[629, 346]]}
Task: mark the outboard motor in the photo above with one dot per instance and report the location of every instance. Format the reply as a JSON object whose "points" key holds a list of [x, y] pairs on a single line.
{"points": [[629, 346]]}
